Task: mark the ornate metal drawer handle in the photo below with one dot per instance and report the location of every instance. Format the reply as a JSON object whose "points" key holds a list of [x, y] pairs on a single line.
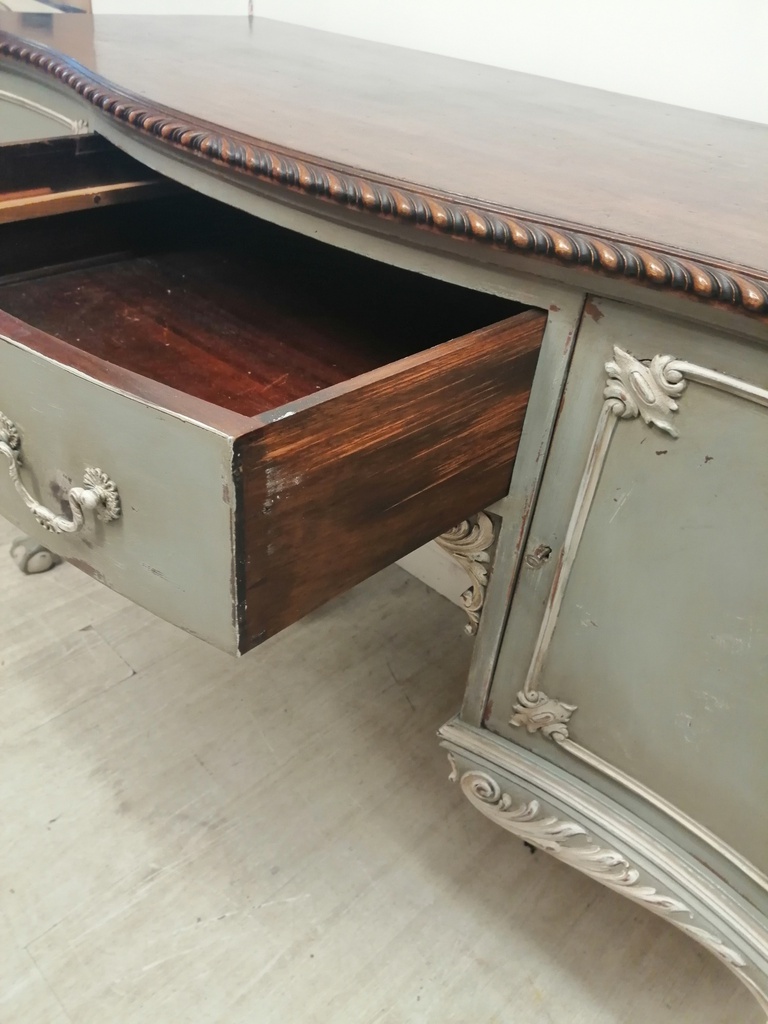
{"points": [[98, 493]]}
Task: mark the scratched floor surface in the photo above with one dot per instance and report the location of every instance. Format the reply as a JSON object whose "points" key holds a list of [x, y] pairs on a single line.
{"points": [[189, 838]]}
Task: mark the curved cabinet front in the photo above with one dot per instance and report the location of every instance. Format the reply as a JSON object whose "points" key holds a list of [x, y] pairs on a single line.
{"points": [[636, 653]]}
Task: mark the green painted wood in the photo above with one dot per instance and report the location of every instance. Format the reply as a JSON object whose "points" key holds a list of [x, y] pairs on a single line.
{"points": [[660, 640], [171, 549]]}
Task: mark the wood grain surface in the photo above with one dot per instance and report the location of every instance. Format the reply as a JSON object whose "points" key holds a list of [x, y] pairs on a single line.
{"points": [[672, 198], [62, 164], [361, 431], [53, 176], [235, 311], [335, 490]]}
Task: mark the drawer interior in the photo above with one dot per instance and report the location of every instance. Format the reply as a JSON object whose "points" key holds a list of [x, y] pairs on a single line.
{"points": [[348, 410], [235, 311], [54, 176]]}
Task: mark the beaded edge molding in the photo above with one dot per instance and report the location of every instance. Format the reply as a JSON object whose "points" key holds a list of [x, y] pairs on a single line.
{"points": [[406, 204]]}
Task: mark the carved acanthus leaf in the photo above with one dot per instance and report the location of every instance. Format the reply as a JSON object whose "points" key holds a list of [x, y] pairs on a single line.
{"points": [[9, 432], [571, 843], [714, 945], [105, 492], [644, 389], [468, 544], [539, 713]]}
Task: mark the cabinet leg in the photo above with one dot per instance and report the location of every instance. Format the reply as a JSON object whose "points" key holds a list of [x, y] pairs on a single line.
{"points": [[32, 557]]}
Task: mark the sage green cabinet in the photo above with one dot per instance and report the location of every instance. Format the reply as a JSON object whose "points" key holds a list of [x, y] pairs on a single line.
{"points": [[637, 642]]}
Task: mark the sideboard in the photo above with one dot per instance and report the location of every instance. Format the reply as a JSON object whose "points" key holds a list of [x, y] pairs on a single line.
{"points": [[279, 307]]}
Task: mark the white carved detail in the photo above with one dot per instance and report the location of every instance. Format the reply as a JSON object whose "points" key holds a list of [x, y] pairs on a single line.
{"points": [[98, 493], [644, 389], [540, 713], [572, 844], [468, 544], [713, 944]]}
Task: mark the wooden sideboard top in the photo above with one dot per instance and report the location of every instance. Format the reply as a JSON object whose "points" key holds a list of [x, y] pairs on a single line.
{"points": [[671, 197]]}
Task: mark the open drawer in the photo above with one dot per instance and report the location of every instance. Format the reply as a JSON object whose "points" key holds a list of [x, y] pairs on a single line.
{"points": [[280, 418]]}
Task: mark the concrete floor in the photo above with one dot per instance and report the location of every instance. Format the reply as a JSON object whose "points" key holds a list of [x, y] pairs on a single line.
{"points": [[190, 838]]}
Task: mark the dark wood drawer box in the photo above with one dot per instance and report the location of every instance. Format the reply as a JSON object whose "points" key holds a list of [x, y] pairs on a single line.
{"points": [[280, 418]]}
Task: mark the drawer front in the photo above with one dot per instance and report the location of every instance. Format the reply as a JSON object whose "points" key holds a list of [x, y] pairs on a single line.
{"points": [[638, 649], [171, 548]]}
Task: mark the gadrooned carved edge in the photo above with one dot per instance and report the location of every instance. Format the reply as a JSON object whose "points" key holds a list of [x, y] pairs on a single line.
{"points": [[469, 546], [407, 204], [571, 843]]}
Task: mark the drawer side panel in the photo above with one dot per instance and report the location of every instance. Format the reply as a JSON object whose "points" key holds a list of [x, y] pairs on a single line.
{"points": [[334, 492]]}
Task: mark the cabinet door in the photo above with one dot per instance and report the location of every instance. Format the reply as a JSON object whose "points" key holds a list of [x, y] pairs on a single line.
{"points": [[636, 651]]}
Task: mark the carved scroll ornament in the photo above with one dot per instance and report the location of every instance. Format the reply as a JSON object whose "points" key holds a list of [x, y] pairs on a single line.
{"points": [[634, 388], [538, 712], [571, 843], [644, 389], [468, 544]]}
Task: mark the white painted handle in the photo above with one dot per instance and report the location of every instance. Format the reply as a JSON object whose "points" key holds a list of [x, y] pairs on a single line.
{"points": [[98, 493]]}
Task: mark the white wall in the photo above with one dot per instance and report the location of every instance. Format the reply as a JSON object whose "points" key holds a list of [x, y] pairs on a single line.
{"points": [[695, 53]]}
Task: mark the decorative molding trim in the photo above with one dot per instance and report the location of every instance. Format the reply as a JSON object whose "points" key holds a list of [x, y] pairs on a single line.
{"points": [[712, 906], [76, 127], [555, 836], [648, 389], [528, 696], [693, 826], [98, 493], [409, 204], [469, 546], [571, 843]]}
